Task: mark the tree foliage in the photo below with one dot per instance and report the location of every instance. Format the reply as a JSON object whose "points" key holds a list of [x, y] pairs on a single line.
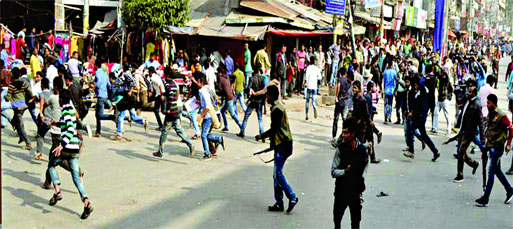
{"points": [[155, 14]]}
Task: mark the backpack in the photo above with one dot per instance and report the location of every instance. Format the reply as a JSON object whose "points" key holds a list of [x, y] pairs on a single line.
{"points": [[151, 89]]}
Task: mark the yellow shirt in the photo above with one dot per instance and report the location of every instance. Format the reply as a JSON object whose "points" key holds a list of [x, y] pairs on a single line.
{"points": [[35, 66]]}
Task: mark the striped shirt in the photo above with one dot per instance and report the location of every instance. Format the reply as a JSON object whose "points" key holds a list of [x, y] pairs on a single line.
{"points": [[17, 91], [68, 122], [171, 94]]}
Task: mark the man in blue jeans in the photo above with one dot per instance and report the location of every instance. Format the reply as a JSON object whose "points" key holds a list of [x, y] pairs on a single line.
{"points": [[256, 100], [229, 99], [281, 142], [101, 84], [499, 132], [390, 80], [206, 119], [418, 113]]}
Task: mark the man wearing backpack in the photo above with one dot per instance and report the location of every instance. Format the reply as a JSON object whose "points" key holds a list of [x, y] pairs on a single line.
{"points": [[205, 118]]}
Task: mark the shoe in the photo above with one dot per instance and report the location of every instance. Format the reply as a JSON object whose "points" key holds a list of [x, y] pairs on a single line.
{"points": [[275, 208], [398, 122], [376, 161], [27, 147], [21, 141], [385, 122], [223, 143], [458, 179], [380, 136], [436, 156], [455, 130], [207, 157], [455, 156], [146, 126], [306, 117], [315, 114], [191, 151], [292, 204], [195, 137], [434, 132], [406, 149], [475, 168], [423, 145], [117, 138], [88, 130], [225, 129], [481, 202], [87, 211], [509, 172], [97, 135], [472, 151], [56, 197], [39, 157], [240, 135], [409, 154], [157, 154], [44, 186], [158, 129], [509, 197]]}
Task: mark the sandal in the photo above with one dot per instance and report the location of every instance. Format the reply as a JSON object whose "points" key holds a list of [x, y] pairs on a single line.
{"points": [[195, 137], [56, 197], [87, 211]]}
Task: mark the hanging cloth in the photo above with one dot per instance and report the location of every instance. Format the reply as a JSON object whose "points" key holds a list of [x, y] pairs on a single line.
{"points": [[73, 45], [150, 48]]}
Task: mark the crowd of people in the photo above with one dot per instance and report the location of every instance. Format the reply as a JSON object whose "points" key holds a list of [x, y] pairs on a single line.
{"points": [[204, 88]]}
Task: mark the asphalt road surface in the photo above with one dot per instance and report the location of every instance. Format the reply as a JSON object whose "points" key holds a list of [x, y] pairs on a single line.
{"points": [[129, 188]]}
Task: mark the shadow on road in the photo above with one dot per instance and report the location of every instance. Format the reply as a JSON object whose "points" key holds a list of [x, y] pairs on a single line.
{"points": [[29, 199]]}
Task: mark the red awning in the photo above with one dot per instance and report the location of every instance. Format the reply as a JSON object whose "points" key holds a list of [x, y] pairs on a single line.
{"points": [[299, 33]]}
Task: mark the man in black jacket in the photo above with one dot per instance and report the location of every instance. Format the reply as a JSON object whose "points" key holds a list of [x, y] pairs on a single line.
{"points": [[255, 101], [349, 163], [471, 120], [418, 113]]}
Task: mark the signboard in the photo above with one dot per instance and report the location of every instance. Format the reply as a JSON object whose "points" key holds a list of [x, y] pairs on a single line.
{"points": [[337, 7], [387, 11], [373, 3], [457, 25], [416, 17]]}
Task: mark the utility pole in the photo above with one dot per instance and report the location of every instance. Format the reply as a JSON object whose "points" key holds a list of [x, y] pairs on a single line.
{"points": [[335, 23], [381, 28], [351, 25], [446, 28], [85, 29]]}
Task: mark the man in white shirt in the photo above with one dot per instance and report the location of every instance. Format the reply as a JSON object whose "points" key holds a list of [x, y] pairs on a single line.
{"points": [[210, 73], [320, 62], [73, 65], [51, 72], [312, 76], [158, 85]]}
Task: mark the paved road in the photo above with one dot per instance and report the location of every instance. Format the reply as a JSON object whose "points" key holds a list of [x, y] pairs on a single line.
{"points": [[130, 188]]}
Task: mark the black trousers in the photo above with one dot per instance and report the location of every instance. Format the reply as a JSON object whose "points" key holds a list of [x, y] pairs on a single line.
{"points": [[355, 208]]}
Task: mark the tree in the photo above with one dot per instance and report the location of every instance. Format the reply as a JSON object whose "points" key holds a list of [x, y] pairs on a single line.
{"points": [[155, 14]]}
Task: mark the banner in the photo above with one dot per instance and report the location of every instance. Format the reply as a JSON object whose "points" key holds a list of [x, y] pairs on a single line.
{"points": [[339, 29], [421, 19], [399, 10], [337, 7], [387, 11], [373, 3], [409, 16], [396, 24], [439, 26], [417, 3]]}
